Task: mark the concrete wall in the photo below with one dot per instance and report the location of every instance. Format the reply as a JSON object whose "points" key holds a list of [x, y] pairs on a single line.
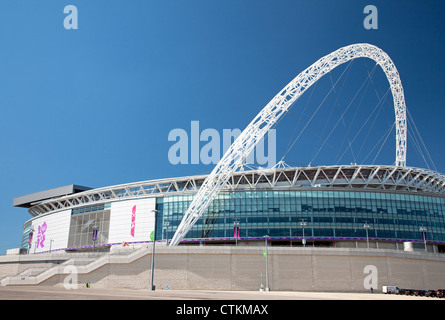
{"points": [[293, 269]]}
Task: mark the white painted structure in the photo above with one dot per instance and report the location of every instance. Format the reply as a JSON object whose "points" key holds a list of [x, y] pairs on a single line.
{"points": [[235, 156], [55, 229], [51, 231], [121, 199], [121, 217]]}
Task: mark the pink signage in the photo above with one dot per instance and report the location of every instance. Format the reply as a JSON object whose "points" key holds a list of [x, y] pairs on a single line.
{"points": [[41, 235], [133, 221], [236, 232]]}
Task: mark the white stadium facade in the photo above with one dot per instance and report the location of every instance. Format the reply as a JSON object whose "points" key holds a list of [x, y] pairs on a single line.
{"points": [[334, 202]]}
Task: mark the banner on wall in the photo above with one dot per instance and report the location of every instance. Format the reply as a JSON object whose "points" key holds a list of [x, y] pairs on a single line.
{"points": [[126, 214], [41, 235], [133, 221]]}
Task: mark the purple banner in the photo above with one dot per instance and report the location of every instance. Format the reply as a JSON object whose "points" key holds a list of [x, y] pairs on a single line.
{"points": [[94, 234]]}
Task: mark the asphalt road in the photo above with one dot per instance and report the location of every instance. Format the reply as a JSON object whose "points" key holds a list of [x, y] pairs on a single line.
{"points": [[197, 304]]}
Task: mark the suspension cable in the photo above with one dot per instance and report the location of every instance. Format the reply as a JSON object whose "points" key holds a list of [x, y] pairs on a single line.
{"points": [[318, 108], [344, 112], [421, 140], [358, 132], [386, 134]]}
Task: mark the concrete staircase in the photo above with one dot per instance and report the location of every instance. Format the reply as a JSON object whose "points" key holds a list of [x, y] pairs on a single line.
{"points": [[83, 265]]}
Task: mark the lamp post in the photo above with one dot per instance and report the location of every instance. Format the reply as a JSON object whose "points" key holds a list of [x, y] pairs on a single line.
{"points": [[266, 238], [236, 231], [94, 238], [30, 235], [153, 253], [303, 224], [166, 224], [50, 245], [366, 226], [423, 230]]}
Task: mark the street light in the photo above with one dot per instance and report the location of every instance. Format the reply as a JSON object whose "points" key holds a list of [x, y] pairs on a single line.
{"points": [[153, 253], [30, 235], [266, 238], [366, 226], [50, 244], [94, 238], [166, 224], [303, 224], [236, 231], [423, 230]]}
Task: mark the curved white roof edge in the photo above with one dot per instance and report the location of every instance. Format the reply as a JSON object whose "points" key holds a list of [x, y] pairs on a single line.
{"points": [[368, 177]]}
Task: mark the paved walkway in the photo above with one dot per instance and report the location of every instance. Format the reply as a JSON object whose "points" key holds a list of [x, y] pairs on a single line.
{"points": [[60, 293]]}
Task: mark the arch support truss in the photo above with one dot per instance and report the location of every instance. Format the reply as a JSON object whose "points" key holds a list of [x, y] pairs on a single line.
{"points": [[271, 113]]}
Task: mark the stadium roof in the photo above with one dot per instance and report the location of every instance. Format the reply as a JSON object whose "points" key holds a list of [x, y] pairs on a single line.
{"points": [[350, 177], [29, 200]]}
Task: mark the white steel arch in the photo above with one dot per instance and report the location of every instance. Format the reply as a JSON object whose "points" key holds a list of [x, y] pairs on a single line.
{"points": [[270, 114]]}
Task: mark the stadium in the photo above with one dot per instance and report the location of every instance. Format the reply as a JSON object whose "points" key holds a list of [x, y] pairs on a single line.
{"points": [[393, 209], [332, 205], [347, 206]]}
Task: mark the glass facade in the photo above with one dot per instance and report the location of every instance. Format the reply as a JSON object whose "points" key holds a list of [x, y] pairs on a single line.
{"points": [[25, 236], [84, 221], [327, 215]]}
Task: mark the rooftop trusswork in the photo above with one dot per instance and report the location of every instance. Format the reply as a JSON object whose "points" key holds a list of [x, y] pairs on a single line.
{"points": [[348, 176]]}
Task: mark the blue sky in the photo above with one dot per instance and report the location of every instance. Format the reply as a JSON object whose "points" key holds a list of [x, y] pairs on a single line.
{"points": [[94, 106]]}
